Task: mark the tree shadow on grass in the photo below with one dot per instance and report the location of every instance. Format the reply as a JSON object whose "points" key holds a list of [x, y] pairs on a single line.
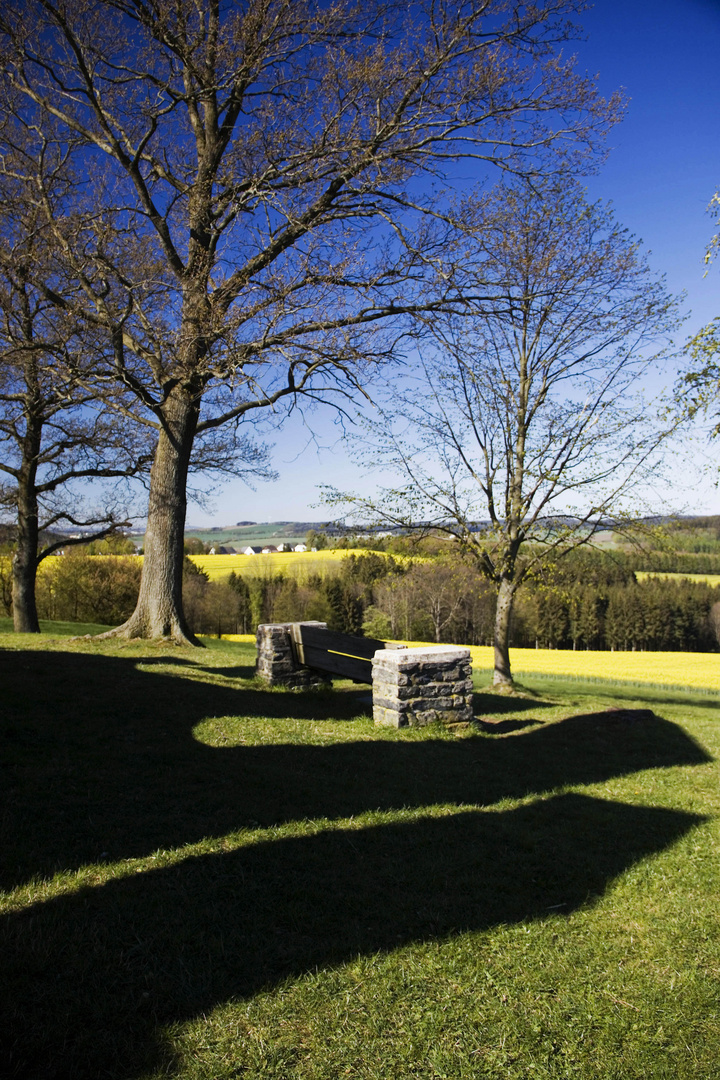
{"points": [[101, 762], [503, 727], [93, 978], [500, 704]]}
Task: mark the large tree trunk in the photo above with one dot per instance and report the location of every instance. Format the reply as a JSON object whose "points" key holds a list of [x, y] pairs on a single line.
{"points": [[159, 610], [24, 568], [25, 559], [502, 676]]}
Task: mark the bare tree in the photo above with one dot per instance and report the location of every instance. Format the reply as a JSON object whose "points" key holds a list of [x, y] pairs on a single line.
{"points": [[55, 434], [248, 169], [60, 427], [54, 437], [524, 432], [439, 599]]}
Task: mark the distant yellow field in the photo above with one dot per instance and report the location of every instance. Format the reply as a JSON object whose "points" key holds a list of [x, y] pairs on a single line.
{"points": [[711, 579], [218, 567], [696, 671], [699, 671], [301, 563]]}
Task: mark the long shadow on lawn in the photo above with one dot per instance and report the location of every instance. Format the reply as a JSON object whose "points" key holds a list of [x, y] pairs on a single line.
{"points": [[91, 978], [101, 763]]}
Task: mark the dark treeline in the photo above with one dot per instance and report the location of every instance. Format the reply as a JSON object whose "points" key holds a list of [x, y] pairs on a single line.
{"points": [[594, 600], [589, 600], [653, 614], [589, 603], [679, 562]]}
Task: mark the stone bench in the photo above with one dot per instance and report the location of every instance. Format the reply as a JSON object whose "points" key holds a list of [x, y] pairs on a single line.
{"points": [[410, 687]]}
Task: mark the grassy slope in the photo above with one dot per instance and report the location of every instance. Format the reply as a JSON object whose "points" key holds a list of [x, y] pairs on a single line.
{"points": [[207, 879]]}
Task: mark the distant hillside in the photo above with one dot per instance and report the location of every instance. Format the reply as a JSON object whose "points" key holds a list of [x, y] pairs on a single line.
{"points": [[251, 534], [257, 533], [686, 535]]}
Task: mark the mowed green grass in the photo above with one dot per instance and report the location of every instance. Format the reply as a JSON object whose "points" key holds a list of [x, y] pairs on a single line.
{"points": [[57, 628], [204, 878]]}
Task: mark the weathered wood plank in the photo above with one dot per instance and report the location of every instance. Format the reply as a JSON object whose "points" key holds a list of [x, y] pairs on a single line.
{"points": [[331, 641], [345, 667], [339, 654]]}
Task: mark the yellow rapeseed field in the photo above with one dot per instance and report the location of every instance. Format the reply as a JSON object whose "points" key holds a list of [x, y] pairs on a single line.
{"points": [[697, 671], [694, 671], [301, 563], [710, 579], [218, 567]]}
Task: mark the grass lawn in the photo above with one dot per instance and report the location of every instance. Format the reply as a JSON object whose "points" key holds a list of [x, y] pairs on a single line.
{"points": [[204, 878], [56, 628]]}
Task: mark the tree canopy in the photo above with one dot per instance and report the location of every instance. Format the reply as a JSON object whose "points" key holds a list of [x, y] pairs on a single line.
{"points": [[245, 178]]}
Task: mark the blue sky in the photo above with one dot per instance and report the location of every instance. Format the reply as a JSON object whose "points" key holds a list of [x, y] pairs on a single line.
{"points": [[661, 173]]}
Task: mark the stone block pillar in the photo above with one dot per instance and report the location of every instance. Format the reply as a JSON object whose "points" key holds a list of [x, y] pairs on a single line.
{"points": [[414, 687], [276, 663]]}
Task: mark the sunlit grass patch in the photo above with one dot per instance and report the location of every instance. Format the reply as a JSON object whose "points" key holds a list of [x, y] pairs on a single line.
{"points": [[56, 628], [205, 879]]}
